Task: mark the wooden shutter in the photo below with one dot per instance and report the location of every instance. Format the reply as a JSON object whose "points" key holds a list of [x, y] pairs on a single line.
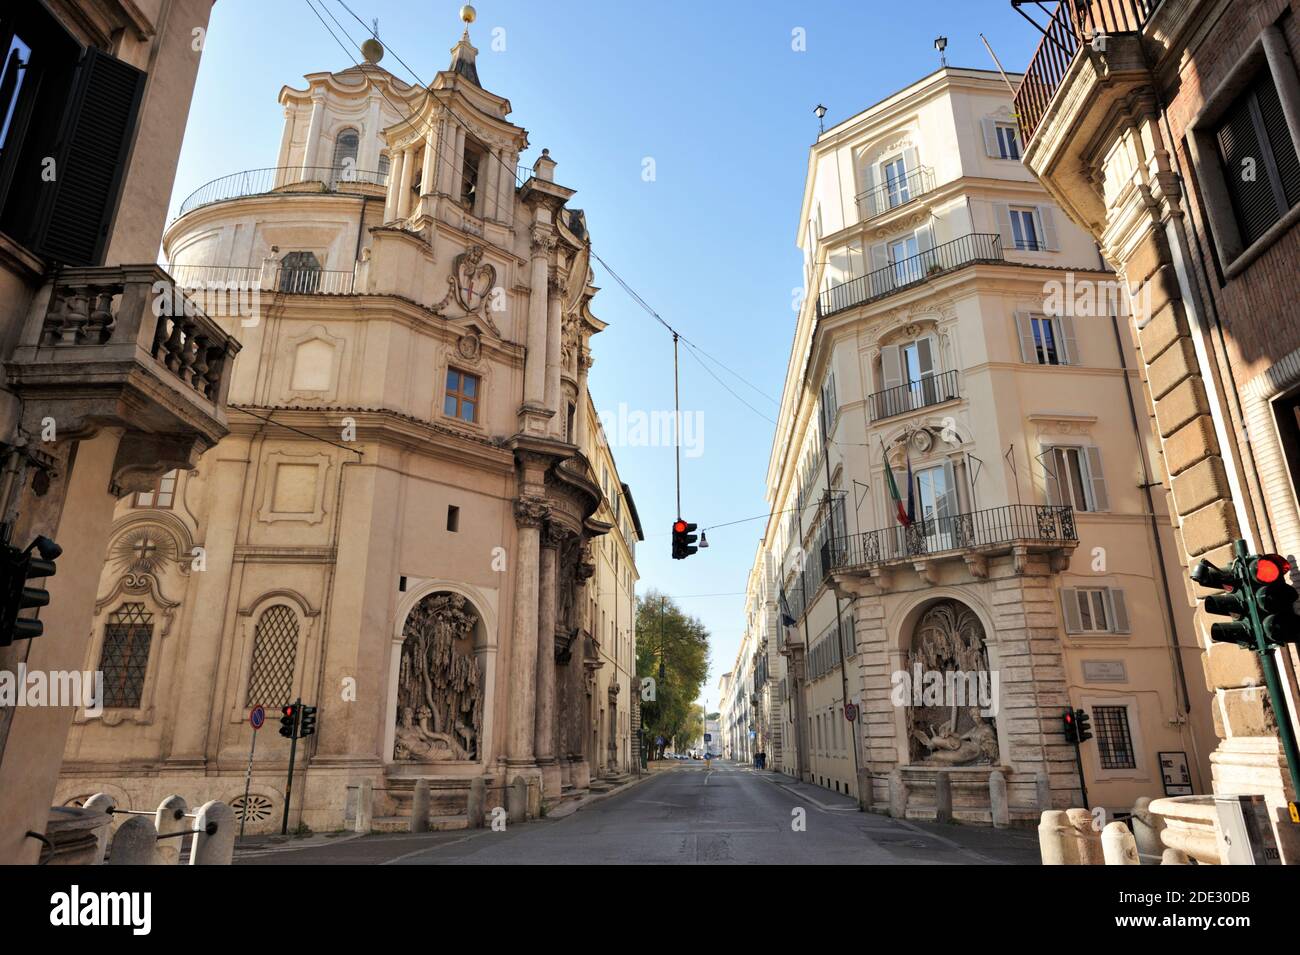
{"points": [[1253, 200], [91, 162], [991, 138], [1118, 610], [891, 366], [1047, 219], [909, 165], [1097, 478], [870, 185], [947, 505], [1003, 213], [1050, 461], [1068, 346], [1025, 332], [1283, 146], [1070, 609]]}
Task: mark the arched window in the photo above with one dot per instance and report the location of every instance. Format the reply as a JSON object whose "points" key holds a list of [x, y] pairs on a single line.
{"points": [[299, 272], [124, 658], [275, 648], [345, 154], [384, 165]]}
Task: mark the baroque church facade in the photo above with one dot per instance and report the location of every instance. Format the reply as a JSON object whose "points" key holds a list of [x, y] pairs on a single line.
{"points": [[415, 523]]}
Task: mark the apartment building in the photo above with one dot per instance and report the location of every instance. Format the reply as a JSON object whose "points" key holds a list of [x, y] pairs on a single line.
{"points": [[1169, 130], [963, 541]]}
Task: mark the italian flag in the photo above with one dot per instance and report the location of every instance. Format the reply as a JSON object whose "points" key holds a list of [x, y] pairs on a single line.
{"points": [[904, 514]]}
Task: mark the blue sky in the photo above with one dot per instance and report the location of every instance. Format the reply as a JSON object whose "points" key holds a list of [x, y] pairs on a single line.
{"points": [[716, 95]]}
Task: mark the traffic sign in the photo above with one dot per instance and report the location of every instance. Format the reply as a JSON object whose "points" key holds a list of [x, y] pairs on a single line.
{"points": [[257, 717], [851, 712]]}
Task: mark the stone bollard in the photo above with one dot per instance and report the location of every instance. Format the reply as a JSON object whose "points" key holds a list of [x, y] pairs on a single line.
{"points": [[102, 802], [170, 817], [420, 807], [1118, 846], [517, 800], [135, 843], [998, 800], [865, 795], [365, 806], [215, 829], [897, 795], [1043, 788], [942, 797], [1087, 840], [535, 797], [474, 805], [1055, 838], [1174, 857], [1147, 827]]}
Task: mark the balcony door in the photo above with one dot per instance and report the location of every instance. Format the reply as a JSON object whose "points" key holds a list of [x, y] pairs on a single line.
{"points": [[936, 505], [917, 360], [895, 177]]}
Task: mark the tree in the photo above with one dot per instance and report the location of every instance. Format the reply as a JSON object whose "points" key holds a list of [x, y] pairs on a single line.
{"points": [[673, 651]]}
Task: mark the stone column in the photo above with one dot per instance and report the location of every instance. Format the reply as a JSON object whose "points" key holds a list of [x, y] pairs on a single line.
{"points": [[429, 172], [554, 301], [312, 146], [530, 513], [487, 182], [544, 732], [391, 203], [585, 361], [543, 241], [404, 184], [371, 143]]}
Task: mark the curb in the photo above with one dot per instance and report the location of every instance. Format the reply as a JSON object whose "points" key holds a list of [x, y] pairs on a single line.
{"points": [[564, 810]]}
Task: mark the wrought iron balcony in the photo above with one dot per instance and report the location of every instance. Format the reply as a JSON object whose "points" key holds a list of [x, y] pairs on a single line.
{"points": [[895, 193], [1071, 25], [275, 179], [930, 390], [966, 250], [125, 346], [273, 278], [992, 529]]}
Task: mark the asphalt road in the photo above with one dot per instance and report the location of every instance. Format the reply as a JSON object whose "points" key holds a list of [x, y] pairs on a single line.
{"points": [[726, 814]]}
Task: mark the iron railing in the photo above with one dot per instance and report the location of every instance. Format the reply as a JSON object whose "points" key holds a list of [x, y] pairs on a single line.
{"points": [[207, 276], [258, 182], [1073, 24], [960, 252], [1010, 524], [930, 390], [314, 281], [895, 193]]}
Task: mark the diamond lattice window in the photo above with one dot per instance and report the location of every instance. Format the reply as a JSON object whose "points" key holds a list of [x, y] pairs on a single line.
{"points": [[125, 657], [275, 646]]}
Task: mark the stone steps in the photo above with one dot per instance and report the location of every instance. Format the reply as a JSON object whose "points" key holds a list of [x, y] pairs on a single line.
{"points": [[403, 823]]}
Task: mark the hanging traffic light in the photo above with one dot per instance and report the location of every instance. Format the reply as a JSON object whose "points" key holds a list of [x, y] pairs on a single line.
{"points": [[683, 539], [307, 721], [289, 722], [16, 568]]}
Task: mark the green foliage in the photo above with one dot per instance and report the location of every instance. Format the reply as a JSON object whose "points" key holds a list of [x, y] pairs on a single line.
{"points": [[676, 645]]}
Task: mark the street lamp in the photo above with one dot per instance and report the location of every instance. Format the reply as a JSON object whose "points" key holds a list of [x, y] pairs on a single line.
{"points": [[820, 111], [941, 44]]}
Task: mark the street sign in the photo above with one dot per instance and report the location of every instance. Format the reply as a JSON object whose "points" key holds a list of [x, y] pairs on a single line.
{"points": [[708, 737], [851, 712], [257, 717]]}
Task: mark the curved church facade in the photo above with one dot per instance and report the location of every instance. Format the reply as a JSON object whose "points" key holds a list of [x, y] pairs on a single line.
{"points": [[414, 524]]}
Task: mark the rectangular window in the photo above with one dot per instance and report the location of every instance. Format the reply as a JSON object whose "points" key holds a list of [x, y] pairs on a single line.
{"points": [[1074, 477], [124, 658], [162, 494], [1008, 141], [1260, 166], [1045, 340], [461, 400], [894, 175], [1025, 230], [453, 518], [1114, 741], [1094, 610]]}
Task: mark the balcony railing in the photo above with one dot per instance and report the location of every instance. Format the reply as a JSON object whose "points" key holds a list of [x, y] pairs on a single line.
{"points": [[1072, 24], [315, 281], [960, 252], [274, 278], [895, 193], [258, 182], [930, 390], [1011, 524]]}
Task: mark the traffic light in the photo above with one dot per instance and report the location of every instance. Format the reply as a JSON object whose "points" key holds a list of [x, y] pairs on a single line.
{"points": [[1255, 591], [683, 539], [1078, 726], [289, 721], [307, 721], [1275, 599], [16, 568]]}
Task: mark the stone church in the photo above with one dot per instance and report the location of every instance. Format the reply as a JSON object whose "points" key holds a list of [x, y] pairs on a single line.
{"points": [[415, 523]]}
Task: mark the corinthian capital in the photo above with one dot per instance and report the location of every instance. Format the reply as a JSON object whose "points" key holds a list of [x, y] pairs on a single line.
{"points": [[553, 535], [531, 512], [542, 240]]}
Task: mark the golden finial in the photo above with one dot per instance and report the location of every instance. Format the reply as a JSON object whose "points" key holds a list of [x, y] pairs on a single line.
{"points": [[467, 13]]}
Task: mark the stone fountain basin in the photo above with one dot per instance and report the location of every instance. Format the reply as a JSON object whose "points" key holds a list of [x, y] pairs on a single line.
{"points": [[1191, 825]]}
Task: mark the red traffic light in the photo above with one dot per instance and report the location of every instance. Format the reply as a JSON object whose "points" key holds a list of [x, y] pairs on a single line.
{"points": [[679, 527], [1270, 568]]}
